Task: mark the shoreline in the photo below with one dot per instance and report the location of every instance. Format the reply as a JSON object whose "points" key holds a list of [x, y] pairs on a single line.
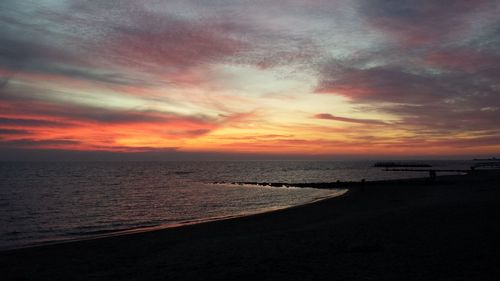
{"points": [[138, 230], [341, 186], [442, 230]]}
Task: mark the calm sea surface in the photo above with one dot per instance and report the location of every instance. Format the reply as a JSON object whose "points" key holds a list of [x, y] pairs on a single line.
{"points": [[42, 202]]}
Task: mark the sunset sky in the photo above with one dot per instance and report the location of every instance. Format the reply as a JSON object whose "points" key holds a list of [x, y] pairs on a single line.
{"points": [[307, 78]]}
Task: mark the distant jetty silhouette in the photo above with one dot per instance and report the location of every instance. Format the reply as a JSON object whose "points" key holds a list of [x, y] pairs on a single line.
{"points": [[486, 159], [400, 164]]}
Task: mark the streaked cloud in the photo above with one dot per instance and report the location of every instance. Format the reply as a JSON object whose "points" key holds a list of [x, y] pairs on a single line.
{"points": [[328, 116], [13, 132], [23, 122], [250, 76]]}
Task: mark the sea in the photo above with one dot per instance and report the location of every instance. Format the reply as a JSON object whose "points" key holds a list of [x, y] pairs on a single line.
{"points": [[51, 202]]}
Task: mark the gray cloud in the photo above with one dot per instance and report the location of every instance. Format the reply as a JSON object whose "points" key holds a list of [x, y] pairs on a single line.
{"points": [[35, 143], [130, 43], [442, 75], [18, 55], [462, 96], [428, 21], [3, 82], [328, 116], [13, 132], [30, 122]]}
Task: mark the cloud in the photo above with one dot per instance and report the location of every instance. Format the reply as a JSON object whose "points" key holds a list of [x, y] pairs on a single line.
{"points": [[26, 122], [432, 66], [189, 133], [381, 84], [493, 140], [18, 55], [424, 22], [104, 127], [441, 76], [169, 42], [464, 59], [445, 118], [91, 45], [33, 143], [50, 112], [421, 142], [3, 82], [424, 101], [328, 116], [143, 44], [13, 132]]}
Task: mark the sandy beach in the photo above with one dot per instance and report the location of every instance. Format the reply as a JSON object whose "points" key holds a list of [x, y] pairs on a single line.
{"points": [[401, 230]]}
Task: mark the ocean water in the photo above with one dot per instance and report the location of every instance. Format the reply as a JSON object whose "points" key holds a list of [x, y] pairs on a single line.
{"points": [[44, 202]]}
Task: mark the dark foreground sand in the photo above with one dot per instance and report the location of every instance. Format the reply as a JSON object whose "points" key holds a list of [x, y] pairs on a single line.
{"points": [[447, 230]]}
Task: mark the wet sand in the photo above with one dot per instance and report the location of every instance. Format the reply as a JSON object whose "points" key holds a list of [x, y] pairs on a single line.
{"points": [[402, 230]]}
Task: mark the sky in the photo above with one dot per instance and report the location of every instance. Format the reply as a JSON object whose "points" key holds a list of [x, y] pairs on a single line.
{"points": [[296, 78]]}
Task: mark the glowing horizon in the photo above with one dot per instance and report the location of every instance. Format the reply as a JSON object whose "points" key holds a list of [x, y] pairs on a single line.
{"points": [[253, 77]]}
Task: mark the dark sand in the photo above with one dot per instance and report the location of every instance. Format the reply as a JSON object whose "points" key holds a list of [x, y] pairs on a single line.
{"points": [[447, 230]]}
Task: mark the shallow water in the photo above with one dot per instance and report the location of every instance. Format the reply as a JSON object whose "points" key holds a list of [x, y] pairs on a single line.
{"points": [[57, 201]]}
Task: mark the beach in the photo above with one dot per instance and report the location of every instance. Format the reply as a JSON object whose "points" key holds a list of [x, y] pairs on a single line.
{"points": [[390, 230]]}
